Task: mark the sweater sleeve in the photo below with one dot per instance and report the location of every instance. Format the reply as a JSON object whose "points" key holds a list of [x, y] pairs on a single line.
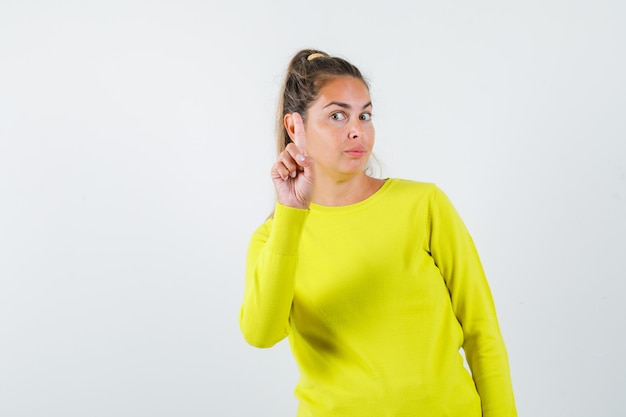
{"points": [[456, 257], [270, 277]]}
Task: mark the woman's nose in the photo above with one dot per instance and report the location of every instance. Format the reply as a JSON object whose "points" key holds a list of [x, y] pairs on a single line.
{"points": [[356, 130]]}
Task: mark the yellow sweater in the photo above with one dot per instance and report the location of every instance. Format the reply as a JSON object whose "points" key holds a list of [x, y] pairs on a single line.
{"points": [[377, 299]]}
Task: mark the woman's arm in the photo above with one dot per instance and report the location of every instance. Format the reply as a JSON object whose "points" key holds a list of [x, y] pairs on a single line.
{"points": [[455, 254], [270, 277]]}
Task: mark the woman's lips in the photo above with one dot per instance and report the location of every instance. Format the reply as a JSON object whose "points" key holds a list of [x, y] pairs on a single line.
{"points": [[356, 152]]}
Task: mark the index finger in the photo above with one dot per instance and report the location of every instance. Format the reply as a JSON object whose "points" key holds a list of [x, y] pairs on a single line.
{"points": [[298, 132]]}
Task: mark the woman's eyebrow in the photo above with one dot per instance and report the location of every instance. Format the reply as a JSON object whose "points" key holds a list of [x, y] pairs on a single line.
{"points": [[345, 105]]}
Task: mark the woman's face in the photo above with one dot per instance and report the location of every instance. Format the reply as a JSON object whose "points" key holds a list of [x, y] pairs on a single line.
{"points": [[339, 129]]}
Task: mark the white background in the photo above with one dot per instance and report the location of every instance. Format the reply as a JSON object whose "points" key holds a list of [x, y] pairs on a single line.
{"points": [[136, 139]]}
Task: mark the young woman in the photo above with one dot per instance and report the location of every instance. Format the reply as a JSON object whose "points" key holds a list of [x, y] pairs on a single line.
{"points": [[376, 283]]}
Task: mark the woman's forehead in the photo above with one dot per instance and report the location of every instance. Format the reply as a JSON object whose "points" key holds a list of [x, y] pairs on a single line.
{"points": [[344, 90]]}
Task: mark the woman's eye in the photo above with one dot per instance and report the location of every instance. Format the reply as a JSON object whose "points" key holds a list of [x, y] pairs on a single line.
{"points": [[366, 116], [338, 116]]}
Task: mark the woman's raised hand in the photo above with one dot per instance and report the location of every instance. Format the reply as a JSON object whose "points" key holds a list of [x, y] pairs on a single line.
{"points": [[293, 173]]}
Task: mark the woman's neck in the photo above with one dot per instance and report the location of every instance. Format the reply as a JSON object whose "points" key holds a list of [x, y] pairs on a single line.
{"points": [[331, 192]]}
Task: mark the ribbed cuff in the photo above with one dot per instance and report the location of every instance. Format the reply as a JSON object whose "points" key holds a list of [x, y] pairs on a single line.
{"points": [[287, 229]]}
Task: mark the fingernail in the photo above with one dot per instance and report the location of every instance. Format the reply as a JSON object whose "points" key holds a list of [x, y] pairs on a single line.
{"points": [[293, 174], [300, 158]]}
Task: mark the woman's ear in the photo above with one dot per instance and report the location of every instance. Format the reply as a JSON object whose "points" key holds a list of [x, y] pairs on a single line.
{"points": [[289, 126]]}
